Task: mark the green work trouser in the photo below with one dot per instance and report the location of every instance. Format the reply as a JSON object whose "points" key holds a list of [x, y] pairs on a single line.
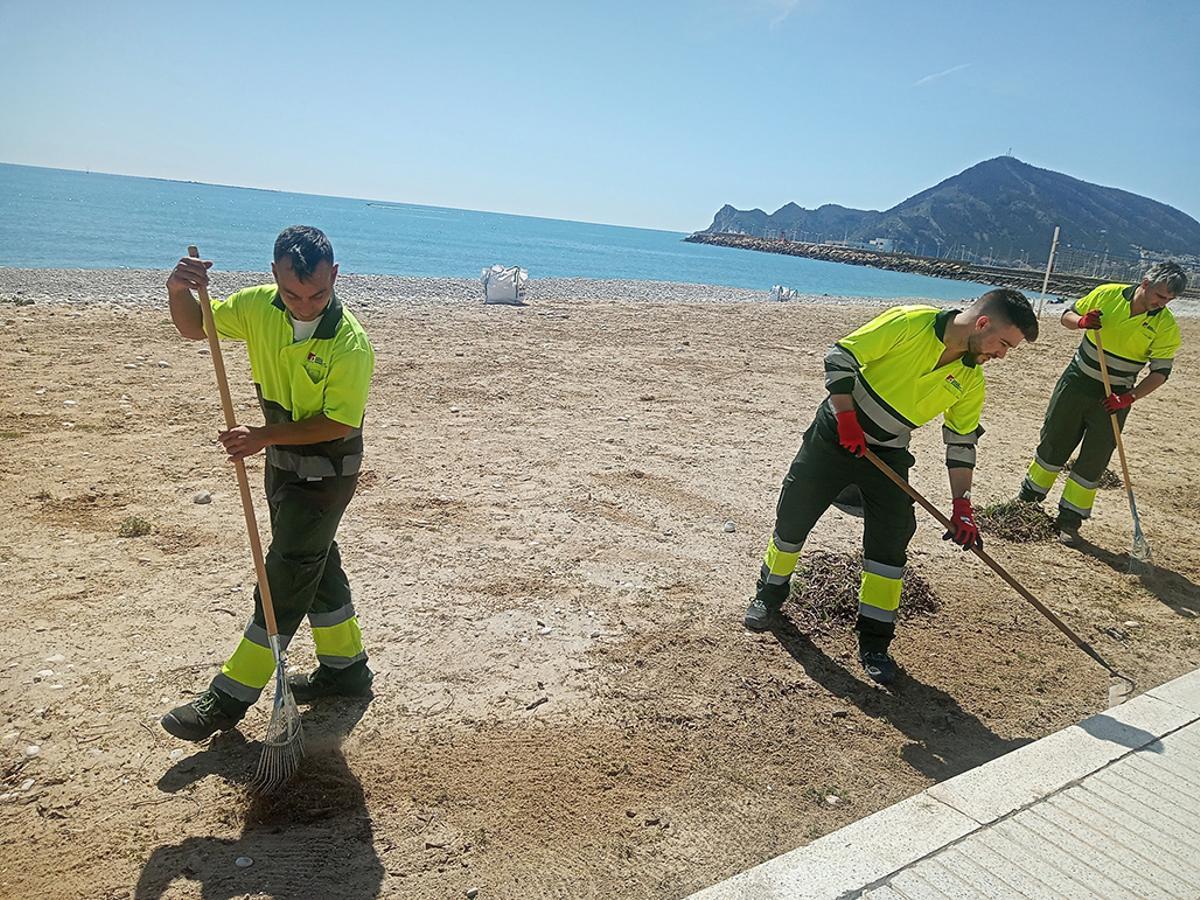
{"points": [[819, 472], [1076, 413], [304, 569]]}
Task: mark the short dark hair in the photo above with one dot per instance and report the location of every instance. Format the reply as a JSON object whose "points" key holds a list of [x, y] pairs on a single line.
{"points": [[306, 247], [1013, 307]]}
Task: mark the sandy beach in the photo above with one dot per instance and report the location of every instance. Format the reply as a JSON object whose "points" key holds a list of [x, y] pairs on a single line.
{"points": [[566, 702]]}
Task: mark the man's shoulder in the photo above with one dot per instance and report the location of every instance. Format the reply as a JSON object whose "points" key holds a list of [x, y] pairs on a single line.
{"points": [[1110, 291], [256, 294], [351, 335]]}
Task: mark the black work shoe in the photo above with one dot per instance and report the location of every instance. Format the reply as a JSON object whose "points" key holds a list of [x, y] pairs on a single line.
{"points": [[762, 613], [1067, 526], [1030, 496], [209, 713], [879, 667], [352, 681]]}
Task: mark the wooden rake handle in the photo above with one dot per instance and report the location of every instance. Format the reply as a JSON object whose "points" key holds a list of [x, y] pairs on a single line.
{"points": [[995, 567], [1113, 417], [260, 567]]}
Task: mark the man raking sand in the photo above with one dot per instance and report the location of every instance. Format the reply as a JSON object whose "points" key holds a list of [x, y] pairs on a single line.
{"points": [[311, 362]]}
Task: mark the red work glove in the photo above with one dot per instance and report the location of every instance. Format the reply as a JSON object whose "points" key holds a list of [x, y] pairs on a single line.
{"points": [[1116, 402], [850, 433], [1090, 319], [963, 530]]}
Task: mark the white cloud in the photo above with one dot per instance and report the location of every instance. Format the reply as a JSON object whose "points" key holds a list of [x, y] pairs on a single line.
{"points": [[921, 82]]}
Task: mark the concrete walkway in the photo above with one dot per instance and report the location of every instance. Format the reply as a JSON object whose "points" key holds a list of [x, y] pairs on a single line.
{"points": [[1108, 808]]}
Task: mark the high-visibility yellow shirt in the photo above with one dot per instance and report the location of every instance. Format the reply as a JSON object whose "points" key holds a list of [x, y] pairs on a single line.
{"points": [[890, 367], [1130, 342], [329, 373]]}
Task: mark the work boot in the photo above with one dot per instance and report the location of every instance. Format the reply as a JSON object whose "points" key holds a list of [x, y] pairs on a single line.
{"points": [[1029, 495], [352, 681], [209, 713], [878, 665], [1067, 524], [762, 613]]}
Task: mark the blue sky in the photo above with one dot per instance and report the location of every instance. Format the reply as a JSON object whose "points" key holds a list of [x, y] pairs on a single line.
{"points": [[650, 113]]}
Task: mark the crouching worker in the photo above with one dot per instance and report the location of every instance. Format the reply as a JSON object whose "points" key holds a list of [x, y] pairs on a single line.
{"points": [[1136, 330], [892, 375], [311, 363]]}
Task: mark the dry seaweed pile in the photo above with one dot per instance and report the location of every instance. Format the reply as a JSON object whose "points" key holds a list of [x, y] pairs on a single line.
{"points": [[1108, 478], [825, 593], [1016, 521]]}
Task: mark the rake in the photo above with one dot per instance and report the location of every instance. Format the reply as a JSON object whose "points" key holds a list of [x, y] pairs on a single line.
{"points": [[283, 747], [1139, 555], [1120, 686]]}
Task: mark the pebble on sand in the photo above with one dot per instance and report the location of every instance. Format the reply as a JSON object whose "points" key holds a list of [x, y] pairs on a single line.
{"points": [[730, 527], [243, 862], [202, 498]]}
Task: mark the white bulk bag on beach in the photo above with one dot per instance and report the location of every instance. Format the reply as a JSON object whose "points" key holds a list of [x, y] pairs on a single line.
{"points": [[781, 293], [504, 285]]}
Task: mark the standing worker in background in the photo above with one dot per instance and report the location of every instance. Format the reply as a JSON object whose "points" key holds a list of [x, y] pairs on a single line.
{"points": [[311, 363], [1138, 329], [892, 375]]}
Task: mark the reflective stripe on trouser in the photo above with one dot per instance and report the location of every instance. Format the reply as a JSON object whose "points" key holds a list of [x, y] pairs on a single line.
{"points": [[251, 666], [305, 572], [780, 560], [1041, 475], [1078, 496], [879, 592], [337, 637]]}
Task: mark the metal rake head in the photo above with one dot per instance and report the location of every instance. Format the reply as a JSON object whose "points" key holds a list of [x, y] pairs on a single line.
{"points": [[1140, 556], [1120, 688], [283, 747]]}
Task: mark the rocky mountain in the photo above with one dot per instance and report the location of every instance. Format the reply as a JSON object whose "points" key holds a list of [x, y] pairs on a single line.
{"points": [[1001, 206]]}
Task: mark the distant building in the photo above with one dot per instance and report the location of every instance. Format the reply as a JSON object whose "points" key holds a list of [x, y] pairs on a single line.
{"points": [[883, 245]]}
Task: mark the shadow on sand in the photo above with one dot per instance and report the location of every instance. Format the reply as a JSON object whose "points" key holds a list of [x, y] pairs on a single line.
{"points": [[944, 739], [1179, 593], [312, 838]]}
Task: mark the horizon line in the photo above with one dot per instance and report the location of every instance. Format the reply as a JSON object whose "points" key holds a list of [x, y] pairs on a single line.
{"points": [[246, 187]]}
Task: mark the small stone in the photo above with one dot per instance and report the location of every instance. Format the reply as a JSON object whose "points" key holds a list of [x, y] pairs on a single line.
{"points": [[1131, 623], [622, 418], [472, 893], [454, 409], [43, 674], [243, 862], [27, 784], [631, 813], [594, 634], [56, 658], [32, 750], [545, 630], [833, 799], [729, 527], [163, 364], [40, 391], [131, 365], [176, 754], [202, 498], [840, 713], [70, 403]]}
